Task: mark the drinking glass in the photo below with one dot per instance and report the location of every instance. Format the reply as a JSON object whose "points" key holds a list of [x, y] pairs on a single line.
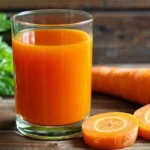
{"points": [[52, 54]]}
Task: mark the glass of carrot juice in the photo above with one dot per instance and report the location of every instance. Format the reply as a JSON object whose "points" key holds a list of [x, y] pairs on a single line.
{"points": [[52, 54]]}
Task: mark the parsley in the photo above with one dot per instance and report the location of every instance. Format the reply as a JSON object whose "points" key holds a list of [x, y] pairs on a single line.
{"points": [[6, 63]]}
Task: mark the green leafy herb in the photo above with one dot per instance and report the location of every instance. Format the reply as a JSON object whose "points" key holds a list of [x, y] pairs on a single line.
{"points": [[6, 65], [4, 23]]}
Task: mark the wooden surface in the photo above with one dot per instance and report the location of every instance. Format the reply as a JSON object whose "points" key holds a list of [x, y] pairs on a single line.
{"points": [[11, 140], [9, 5], [119, 37]]}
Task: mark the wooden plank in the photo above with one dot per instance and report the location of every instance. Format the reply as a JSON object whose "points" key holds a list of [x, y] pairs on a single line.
{"points": [[7, 5], [100, 103], [119, 37], [11, 140], [128, 4], [7, 115], [123, 55]]}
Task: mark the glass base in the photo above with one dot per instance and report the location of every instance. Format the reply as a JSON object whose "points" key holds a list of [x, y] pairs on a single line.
{"points": [[48, 132]]}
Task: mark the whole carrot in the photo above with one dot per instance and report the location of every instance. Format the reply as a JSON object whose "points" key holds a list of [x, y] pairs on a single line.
{"points": [[131, 84]]}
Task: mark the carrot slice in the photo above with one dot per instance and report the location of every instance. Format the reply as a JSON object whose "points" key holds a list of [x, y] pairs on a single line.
{"points": [[143, 115], [112, 130]]}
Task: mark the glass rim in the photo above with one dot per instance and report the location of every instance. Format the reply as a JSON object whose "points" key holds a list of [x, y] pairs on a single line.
{"points": [[42, 11]]}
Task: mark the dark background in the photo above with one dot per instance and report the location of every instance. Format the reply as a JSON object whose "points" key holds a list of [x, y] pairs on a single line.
{"points": [[121, 27]]}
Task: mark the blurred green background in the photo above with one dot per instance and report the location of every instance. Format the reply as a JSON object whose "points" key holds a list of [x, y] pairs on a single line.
{"points": [[6, 65], [121, 31]]}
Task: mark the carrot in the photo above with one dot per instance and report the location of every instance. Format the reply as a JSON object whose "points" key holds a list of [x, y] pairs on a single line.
{"points": [[131, 84], [143, 115], [112, 130]]}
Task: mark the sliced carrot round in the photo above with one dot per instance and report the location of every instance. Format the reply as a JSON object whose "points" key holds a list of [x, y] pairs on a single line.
{"points": [[112, 130], [143, 115]]}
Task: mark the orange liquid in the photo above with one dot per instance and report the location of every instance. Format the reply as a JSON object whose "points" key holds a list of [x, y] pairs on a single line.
{"points": [[52, 75]]}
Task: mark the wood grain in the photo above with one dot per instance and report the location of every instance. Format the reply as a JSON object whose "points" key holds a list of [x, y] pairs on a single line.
{"points": [[10, 139], [119, 37], [128, 4], [7, 5], [101, 103]]}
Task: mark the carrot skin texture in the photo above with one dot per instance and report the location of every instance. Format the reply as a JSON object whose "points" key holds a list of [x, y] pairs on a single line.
{"points": [[128, 83]]}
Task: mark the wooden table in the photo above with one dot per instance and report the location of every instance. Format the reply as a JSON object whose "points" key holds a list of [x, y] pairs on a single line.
{"points": [[11, 140]]}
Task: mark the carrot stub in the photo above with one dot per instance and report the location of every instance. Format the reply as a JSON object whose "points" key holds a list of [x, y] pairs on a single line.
{"points": [[143, 115], [112, 130], [128, 83]]}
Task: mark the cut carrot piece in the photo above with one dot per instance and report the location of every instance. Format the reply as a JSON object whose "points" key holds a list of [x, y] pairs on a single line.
{"points": [[143, 115], [128, 83], [112, 130]]}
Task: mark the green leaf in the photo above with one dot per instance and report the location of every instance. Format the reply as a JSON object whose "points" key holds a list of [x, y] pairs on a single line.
{"points": [[4, 23], [6, 69], [6, 63], [2, 17]]}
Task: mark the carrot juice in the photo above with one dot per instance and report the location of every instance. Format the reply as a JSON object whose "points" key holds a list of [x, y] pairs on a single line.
{"points": [[52, 75]]}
